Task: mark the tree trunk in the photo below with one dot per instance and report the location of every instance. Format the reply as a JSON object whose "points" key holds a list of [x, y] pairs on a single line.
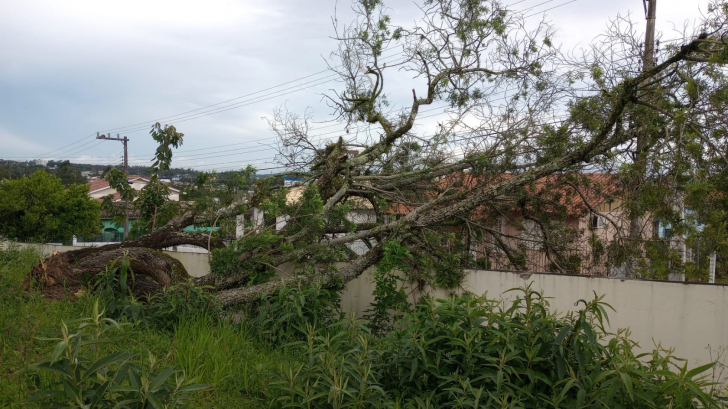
{"points": [[334, 279]]}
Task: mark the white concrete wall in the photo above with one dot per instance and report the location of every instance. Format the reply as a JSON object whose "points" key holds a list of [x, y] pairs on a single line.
{"points": [[197, 264], [691, 318]]}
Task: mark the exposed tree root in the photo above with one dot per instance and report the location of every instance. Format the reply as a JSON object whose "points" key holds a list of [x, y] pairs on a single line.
{"points": [[62, 275]]}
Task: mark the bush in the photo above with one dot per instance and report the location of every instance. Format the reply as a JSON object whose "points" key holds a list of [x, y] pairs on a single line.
{"points": [[113, 286], [390, 299], [468, 352], [283, 317], [181, 302]]}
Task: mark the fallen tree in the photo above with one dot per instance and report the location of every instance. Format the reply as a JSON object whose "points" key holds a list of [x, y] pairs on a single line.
{"points": [[412, 187]]}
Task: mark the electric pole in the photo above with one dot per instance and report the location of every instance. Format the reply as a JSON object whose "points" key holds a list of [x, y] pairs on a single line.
{"points": [[648, 62], [125, 141], [640, 157], [650, 13]]}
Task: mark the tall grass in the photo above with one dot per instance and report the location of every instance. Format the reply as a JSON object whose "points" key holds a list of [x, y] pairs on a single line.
{"points": [[221, 352], [203, 350], [23, 317], [226, 355]]}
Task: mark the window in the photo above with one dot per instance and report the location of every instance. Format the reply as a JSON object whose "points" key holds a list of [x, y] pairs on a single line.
{"points": [[531, 235], [598, 222], [663, 229]]}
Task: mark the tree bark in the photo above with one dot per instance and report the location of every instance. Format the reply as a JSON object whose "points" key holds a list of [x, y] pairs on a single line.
{"points": [[333, 279]]}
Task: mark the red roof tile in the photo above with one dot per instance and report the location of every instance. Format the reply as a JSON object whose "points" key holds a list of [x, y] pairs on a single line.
{"points": [[555, 189], [103, 183]]}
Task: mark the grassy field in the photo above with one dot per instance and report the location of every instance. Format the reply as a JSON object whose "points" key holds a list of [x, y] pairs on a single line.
{"points": [[223, 354]]}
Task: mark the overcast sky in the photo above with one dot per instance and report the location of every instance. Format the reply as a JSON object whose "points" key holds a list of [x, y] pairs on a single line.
{"points": [[69, 69]]}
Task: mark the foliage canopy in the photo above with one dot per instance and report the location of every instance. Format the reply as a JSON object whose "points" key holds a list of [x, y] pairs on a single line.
{"points": [[39, 208]]}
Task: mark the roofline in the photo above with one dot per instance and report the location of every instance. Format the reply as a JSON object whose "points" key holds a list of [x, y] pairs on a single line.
{"points": [[131, 180]]}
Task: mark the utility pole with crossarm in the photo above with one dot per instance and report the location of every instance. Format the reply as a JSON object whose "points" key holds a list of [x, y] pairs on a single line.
{"points": [[125, 141]]}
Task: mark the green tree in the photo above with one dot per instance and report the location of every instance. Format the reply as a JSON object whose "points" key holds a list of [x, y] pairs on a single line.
{"points": [[69, 175], [523, 124], [152, 202], [39, 209]]}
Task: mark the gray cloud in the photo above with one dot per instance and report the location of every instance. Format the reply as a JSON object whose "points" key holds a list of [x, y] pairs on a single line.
{"points": [[69, 69]]}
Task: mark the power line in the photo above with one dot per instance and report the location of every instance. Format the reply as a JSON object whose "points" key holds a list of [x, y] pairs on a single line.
{"points": [[219, 103], [313, 84], [213, 166], [555, 7], [194, 116], [268, 138], [534, 6], [247, 150], [78, 150], [206, 111], [131, 128], [72, 143], [273, 138], [197, 114]]}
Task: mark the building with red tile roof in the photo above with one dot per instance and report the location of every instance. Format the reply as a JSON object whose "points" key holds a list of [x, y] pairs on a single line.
{"points": [[581, 203], [99, 189]]}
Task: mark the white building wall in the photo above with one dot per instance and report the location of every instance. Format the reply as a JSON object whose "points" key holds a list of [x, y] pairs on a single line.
{"points": [[689, 317]]}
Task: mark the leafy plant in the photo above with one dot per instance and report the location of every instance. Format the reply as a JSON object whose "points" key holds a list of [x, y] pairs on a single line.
{"points": [[162, 310], [86, 379], [390, 299], [113, 286], [283, 317], [475, 352]]}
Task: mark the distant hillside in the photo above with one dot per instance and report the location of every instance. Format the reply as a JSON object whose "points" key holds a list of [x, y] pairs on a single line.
{"points": [[16, 169]]}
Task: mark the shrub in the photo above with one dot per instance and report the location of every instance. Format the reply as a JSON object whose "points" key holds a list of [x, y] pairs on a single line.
{"points": [[283, 317], [473, 352], [179, 303], [113, 286], [390, 299]]}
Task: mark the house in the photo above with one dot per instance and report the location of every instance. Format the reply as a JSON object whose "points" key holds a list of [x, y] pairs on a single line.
{"points": [[589, 214], [586, 209], [99, 189], [254, 220], [289, 181]]}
